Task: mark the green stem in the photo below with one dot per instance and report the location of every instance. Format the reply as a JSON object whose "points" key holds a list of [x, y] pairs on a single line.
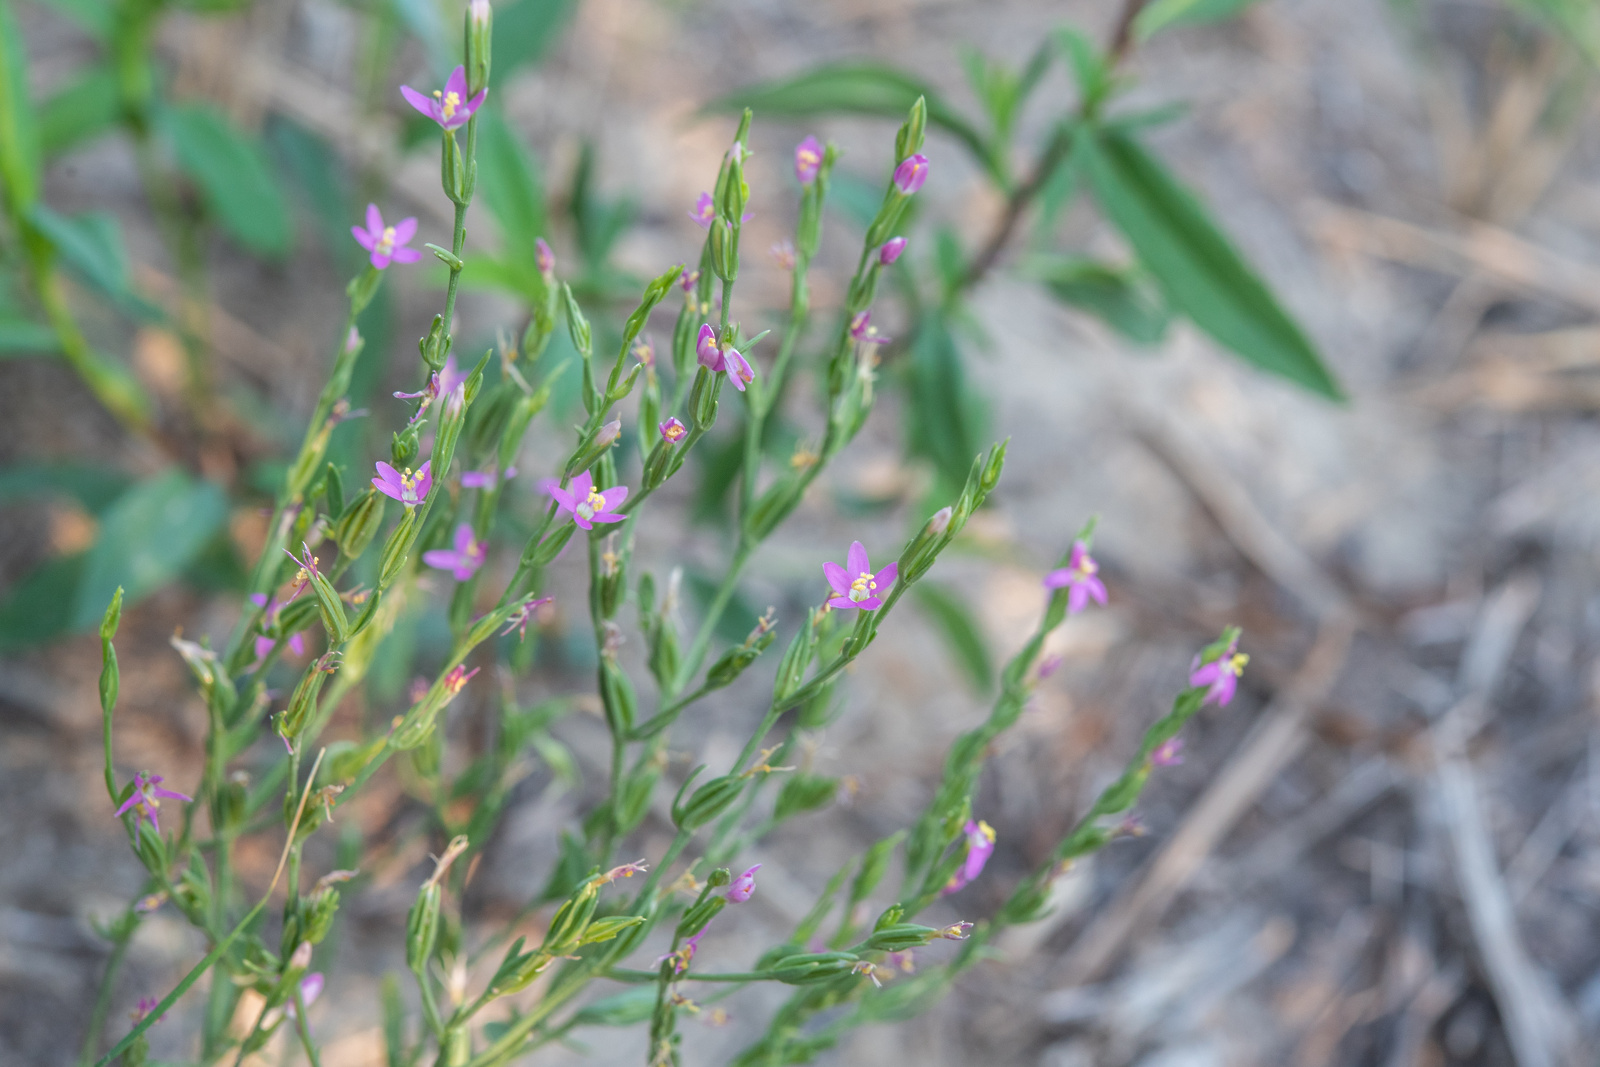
{"points": [[102, 1002], [304, 1028]]}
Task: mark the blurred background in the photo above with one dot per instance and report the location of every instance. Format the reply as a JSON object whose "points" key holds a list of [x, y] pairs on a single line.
{"points": [[1384, 852]]}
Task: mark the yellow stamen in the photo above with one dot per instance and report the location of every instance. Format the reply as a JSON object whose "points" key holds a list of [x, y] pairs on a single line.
{"points": [[1237, 663], [386, 242]]}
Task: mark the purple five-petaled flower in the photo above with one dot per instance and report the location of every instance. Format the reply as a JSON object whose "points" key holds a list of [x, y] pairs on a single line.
{"points": [[146, 798], [891, 250], [980, 846], [586, 504], [462, 560], [1220, 676], [911, 173], [717, 358], [448, 107], [673, 431], [386, 243], [854, 584], [1081, 577], [410, 488], [807, 159], [743, 887]]}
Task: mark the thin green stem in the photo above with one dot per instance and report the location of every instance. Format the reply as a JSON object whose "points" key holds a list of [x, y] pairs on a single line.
{"points": [[304, 1028], [102, 1001]]}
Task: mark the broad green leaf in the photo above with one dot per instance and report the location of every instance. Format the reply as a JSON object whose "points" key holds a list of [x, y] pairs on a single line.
{"points": [[232, 172], [146, 539], [83, 110], [852, 89], [19, 337], [1118, 296], [40, 607], [523, 32], [93, 15], [1165, 14], [1202, 274], [510, 186], [321, 178], [599, 222], [94, 486], [961, 632], [945, 417], [19, 139], [92, 246]]}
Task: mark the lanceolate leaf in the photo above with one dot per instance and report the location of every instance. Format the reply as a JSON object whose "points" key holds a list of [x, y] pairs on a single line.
{"points": [[945, 417], [19, 141], [510, 186], [92, 246], [1118, 296], [1202, 274], [84, 109], [961, 632], [232, 172], [1165, 14], [854, 89]]}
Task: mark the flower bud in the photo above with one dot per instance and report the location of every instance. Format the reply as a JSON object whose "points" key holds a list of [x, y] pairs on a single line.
{"points": [[910, 174], [812, 967], [673, 431], [546, 258], [359, 524], [897, 937], [724, 250], [891, 250], [908, 141], [479, 51]]}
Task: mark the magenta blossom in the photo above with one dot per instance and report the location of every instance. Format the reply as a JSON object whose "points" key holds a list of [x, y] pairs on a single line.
{"points": [[911, 173], [891, 250], [1081, 578], [408, 488], [586, 504], [487, 479], [673, 431], [862, 330], [704, 210], [145, 1007], [147, 795], [688, 279], [386, 243], [854, 584], [269, 618], [545, 258], [464, 559], [448, 107], [445, 382], [1168, 753], [807, 160], [457, 679], [520, 618], [721, 357], [743, 887], [980, 846], [684, 955], [1220, 676]]}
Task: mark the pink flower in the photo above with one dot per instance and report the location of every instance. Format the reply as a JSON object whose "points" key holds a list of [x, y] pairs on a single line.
{"points": [[147, 795], [862, 330], [683, 956], [1220, 676], [911, 173], [386, 243], [545, 257], [980, 846], [145, 1007], [807, 159], [721, 357], [464, 559], [1168, 753], [457, 679], [408, 488], [743, 887], [854, 584], [1081, 578], [443, 383], [269, 618], [485, 479], [891, 250], [587, 505], [520, 618], [673, 431], [783, 254], [448, 107], [687, 280], [704, 211]]}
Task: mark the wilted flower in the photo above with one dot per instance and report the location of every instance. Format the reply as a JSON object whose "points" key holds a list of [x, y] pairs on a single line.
{"points": [[956, 931], [722, 357], [644, 350], [1168, 753], [743, 887], [269, 618], [1081, 578], [444, 382], [462, 560], [588, 505], [386, 243], [409, 488], [891, 250], [1220, 676], [458, 678], [673, 431], [146, 798], [911, 173], [980, 846], [448, 107], [862, 330], [783, 254], [807, 159], [854, 584], [627, 870], [682, 957], [145, 1007], [520, 618]]}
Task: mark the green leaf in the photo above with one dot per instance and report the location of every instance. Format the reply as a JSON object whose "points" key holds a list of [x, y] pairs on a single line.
{"points": [[628, 1008], [1577, 21], [523, 32], [146, 539], [95, 486], [804, 792], [40, 606], [19, 337], [1119, 297], [1202, 274], [231, 170], [1166, 14], [91, 245], [93, 15], [852, 89], [511, 187], [83, 110], [946, 418], [19, 140], [960, 630], [323, 185]]}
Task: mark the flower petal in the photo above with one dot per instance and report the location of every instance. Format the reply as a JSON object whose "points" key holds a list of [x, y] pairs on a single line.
{"points": [[405, 230], [457, 83], [388, 473], [442, 559], [422, 102], [381, 261], [464, 539], [870, 603], [374, 221], [566, 500], [856, 561], [582, 485], [837, 578], [1059, 578], [843, 604], [363, 238], [405, 255], [886, 577]]}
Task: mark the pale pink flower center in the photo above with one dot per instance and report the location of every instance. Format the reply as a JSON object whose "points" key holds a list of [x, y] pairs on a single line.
{"points": [[386, 242], [863, 586], [592, 504]]}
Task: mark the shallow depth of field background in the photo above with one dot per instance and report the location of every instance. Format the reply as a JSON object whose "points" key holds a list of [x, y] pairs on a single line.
{"points": [[1420, 184]]}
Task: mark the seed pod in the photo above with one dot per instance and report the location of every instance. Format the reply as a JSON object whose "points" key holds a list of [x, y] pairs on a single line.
{"points": [[812, 967], [709, 801], [360, 523], [908, 141], [899, 937], [608, 928], [724, 250], [422, 926], [699, 917]]}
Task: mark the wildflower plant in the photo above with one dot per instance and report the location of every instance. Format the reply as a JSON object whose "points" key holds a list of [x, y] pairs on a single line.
{"points": [[616, 942]]}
